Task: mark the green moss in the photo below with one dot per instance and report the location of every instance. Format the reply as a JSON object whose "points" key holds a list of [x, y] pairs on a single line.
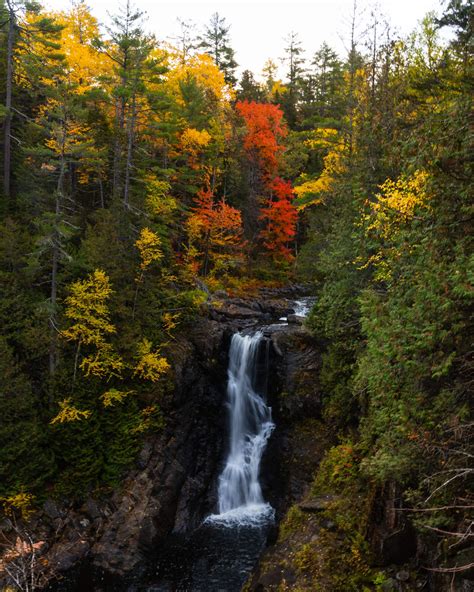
{"points": [[305, 558], [294, 520]]}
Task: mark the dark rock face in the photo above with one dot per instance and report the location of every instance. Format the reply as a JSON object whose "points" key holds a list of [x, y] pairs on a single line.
{"points": [[293, 392], [392, 537], [241, 313], [296, 370]]}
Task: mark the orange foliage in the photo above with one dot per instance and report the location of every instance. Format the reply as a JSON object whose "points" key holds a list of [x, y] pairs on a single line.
{"points": [[280, 217], [215, 234], [265, 129]]}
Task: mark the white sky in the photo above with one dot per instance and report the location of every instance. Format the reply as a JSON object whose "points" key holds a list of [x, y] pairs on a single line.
{"points": [[258, 27]]}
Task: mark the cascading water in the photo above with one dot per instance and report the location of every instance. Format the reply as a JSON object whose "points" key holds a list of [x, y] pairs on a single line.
{"points": [[240, 495], [302, 307]]}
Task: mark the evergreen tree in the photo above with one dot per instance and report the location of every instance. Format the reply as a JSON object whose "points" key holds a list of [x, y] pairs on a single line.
{"points": [[137, 72], [250, 89], [26, 460], [329, 84], [295, 70], [28, 35], [215, 41]]}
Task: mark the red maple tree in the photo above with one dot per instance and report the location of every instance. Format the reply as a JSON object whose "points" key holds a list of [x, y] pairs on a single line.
{"points": [[280, 217], [215, 234], [265, 129]]}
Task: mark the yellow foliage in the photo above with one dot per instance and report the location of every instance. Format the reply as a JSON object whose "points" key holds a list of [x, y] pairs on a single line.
{"points": [[193, 140], [105, 363], [85, 64], [67, 137], [195, 226], [396, 205], [312, 191], [170, 321], [21, 502], [112, 396], [69, 413], [151, 365], [149, 246], [150, 417], [397, 202], [87, 306], [206, 74], [158, 201], [322, 138], [199, 297]]}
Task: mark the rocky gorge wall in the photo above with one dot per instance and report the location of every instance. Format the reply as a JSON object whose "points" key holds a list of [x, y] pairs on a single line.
{"points": [[172, 484]]}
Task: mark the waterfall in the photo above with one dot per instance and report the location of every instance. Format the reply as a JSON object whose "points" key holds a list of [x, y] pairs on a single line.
{"points": [[240, 495]]}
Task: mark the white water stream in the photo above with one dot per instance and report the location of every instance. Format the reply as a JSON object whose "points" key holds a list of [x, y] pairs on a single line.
{"points": [[240, 495], [301, 308]]}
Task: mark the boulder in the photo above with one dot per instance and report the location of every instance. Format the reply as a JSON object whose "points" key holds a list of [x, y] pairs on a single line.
{"points": [[296, 319], [65, 555], [318, 504]]}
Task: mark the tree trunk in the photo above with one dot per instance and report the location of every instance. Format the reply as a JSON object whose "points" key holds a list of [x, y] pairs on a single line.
{"points": [[101, 191], [129, 161], [120, 119], [53, 298], [139, 280], [54, 276], [8, 105], [119, 116], [76, 360]]}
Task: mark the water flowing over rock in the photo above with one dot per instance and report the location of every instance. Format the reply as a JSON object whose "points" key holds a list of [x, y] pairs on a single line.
{"points": [[240, 494]]}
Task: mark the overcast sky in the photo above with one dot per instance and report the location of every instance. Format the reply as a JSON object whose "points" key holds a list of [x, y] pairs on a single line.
{"points": [[258, 27]]}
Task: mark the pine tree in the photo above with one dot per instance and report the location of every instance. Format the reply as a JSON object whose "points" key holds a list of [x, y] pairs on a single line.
{"points": [[137, 74], [29, 33], [215, 41], [328, 84], [250, 89], [295, 70]]}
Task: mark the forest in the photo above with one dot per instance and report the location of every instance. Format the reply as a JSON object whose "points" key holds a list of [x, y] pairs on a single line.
{"points": [[142, 178]]}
